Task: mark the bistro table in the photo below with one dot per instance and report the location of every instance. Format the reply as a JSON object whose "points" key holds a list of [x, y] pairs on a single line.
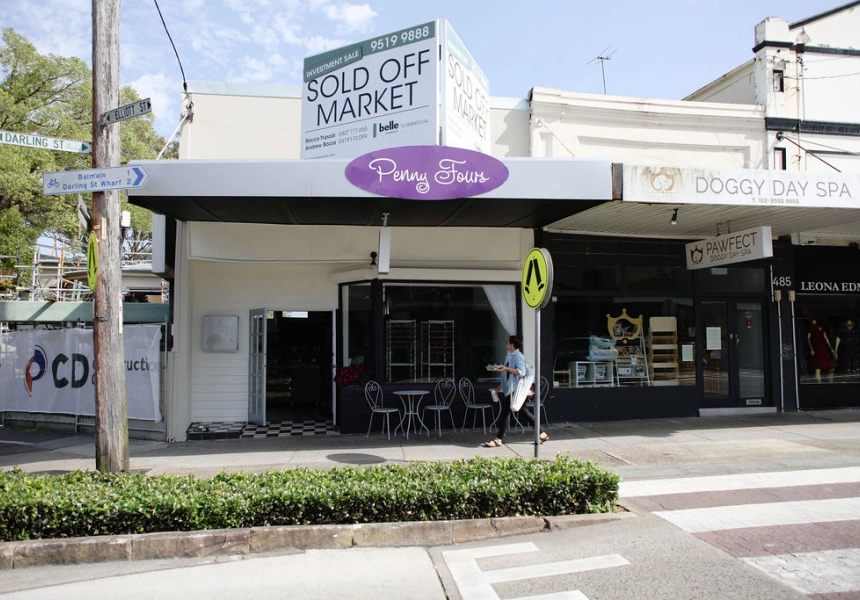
{"points": [[411, 400]]}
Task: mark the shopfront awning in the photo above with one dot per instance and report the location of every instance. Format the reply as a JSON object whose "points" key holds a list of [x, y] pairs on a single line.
{"points": [[537, 192], [708, 202], [638, 219]]}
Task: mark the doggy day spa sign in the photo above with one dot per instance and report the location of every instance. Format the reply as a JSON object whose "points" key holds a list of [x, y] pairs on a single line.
{"points": [[722, 250]]}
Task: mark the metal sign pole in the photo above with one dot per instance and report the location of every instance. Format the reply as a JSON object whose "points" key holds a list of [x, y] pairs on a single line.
{"points": [[537, 284], [537, 383]]}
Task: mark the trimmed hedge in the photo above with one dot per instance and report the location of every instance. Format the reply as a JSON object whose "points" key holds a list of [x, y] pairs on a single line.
{"points": [[87, 503]]}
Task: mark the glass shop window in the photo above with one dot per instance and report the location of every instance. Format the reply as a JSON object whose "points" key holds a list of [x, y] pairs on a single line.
{"points": [[732, 279], [434, 331], [828, 342], [357, 323], [624, 341]]}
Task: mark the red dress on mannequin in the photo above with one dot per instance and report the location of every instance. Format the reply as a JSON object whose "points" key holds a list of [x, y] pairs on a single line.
{"points": [[822, 358]]}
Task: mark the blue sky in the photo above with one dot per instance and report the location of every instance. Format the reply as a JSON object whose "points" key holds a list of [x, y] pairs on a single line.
{"points": [[660, 48]]}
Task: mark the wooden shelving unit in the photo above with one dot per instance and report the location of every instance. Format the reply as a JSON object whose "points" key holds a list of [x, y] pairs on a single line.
{"points": [[591, 373], [663, 350]]}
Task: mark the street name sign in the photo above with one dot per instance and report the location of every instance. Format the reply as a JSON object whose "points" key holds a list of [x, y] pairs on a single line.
{"points": [[94, 180], [40, 141], [127, 111]]}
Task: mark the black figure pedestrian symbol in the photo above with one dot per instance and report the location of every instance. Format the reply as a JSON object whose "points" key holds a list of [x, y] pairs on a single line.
{"points": [[534, 272]]}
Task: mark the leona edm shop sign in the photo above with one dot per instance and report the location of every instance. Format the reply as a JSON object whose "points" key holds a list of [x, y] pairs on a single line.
{"points": [[742, 246]]}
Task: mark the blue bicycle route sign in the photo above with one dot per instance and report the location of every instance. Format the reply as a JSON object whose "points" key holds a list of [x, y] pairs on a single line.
{"points": [[94, 180]]}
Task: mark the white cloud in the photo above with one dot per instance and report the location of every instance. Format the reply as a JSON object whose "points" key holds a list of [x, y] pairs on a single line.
{"points": [[166, 98], [316, 44], [60, 27], [256, 70], [350, 18]]}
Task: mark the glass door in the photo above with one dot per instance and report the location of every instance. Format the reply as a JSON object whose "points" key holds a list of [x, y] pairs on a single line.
{"points": [[749, 343], [257, 366], [733, 352], [715, 351]]}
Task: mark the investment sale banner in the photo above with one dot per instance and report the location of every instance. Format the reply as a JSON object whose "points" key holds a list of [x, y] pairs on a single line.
{"points": [[52, 371]]}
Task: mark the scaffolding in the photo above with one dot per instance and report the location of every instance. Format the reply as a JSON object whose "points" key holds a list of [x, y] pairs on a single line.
{"points": [[58, 273]]}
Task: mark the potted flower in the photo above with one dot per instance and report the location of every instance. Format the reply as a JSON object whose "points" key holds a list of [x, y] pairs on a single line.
{"points": [[354, 374]]}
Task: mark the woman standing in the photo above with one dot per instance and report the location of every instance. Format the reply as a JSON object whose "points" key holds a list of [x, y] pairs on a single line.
{"points": [[513, 369], [820, 350]]}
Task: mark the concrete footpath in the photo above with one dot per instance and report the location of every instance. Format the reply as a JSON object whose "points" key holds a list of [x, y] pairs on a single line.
{"points": [[634, 449]]}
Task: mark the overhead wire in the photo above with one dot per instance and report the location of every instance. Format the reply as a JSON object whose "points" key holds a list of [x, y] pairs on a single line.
{"points": [[169, 37], [809, 152], [189, 112]]}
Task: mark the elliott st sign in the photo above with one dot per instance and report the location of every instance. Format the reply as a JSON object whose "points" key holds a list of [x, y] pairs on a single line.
{"points": [[135, 109]]}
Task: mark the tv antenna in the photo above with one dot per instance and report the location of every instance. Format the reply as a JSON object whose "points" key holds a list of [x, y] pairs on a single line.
{"points": [[603, 57]]}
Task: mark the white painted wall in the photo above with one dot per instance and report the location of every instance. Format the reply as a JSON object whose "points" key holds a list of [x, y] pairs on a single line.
{"points": [[832, 87], [735, 87], [242, 121], [838, 30], [256, 121], [509, 127], [647, 131]]}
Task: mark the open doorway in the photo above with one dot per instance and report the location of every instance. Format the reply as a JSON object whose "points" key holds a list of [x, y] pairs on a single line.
{"points": [[299, 366]]}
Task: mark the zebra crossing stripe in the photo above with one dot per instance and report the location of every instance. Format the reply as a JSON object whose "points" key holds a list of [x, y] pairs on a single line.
{"points": [[767, 514], [721, 483], [476, 584]]}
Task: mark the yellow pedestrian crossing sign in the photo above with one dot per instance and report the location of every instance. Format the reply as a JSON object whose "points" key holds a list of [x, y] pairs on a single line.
{"points": [[537, 278]]}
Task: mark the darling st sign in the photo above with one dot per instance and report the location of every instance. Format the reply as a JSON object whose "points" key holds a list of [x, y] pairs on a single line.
{"points": [[426, 173]]}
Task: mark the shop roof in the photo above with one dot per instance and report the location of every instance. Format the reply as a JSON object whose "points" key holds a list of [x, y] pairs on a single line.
{"points": [[295, 192]]}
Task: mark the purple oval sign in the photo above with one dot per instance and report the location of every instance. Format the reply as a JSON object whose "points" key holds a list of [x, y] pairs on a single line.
{"points": [[426, 172]]}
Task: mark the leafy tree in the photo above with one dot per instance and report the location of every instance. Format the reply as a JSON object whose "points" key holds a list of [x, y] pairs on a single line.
{"points": [[51, 96]]}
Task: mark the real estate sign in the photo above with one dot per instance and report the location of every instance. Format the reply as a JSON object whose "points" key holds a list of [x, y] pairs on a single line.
{"points": [[465, 97], [378, 93]]}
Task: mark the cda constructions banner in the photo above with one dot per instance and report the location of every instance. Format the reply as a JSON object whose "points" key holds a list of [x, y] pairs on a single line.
{"points": [[52, 371]]}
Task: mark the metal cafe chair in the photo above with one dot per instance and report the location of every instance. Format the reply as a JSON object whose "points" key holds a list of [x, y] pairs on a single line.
{"points": [[373, 393], [544, 394], [467, 393], [443, 395]]}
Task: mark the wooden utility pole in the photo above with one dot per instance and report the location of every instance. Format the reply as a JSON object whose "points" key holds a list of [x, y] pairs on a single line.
{"points": [[111, 421]]}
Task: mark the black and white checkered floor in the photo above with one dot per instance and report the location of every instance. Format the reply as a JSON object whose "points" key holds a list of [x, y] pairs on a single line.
{"points": [[241, 430]]}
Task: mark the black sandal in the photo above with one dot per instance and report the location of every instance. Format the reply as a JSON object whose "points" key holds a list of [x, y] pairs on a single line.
{"points": [[496, 443]]}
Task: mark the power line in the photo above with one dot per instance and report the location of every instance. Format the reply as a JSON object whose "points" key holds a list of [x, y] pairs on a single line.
{"points": [[781, 136], [184, 83]]}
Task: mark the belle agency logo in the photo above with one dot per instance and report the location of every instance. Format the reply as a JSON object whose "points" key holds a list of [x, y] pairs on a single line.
{"points": [[391, 127], [37, 366]]}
